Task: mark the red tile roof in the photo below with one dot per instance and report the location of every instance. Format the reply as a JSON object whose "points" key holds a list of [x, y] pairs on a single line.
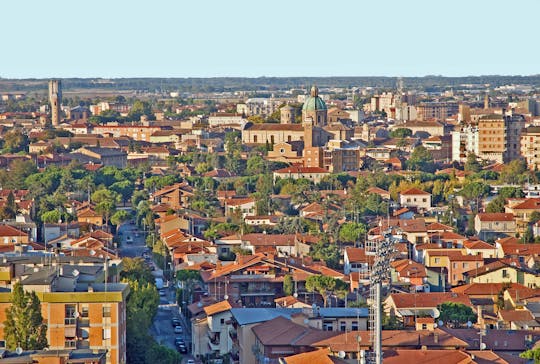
{"points": [[428, 300], [414, 191], [495, 216], [300, 169]]}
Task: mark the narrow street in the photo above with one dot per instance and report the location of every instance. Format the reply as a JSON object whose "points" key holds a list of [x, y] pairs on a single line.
{"points": [[133, 245]]}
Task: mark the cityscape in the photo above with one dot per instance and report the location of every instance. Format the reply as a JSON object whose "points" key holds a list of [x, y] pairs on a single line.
{"points": [[284, 183]]}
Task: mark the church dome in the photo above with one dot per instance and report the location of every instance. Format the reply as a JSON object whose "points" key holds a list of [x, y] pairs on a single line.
{"points": [[314, 102]]}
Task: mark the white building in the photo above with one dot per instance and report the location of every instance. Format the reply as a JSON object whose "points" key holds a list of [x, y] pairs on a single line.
{"points": [[465, 141]]}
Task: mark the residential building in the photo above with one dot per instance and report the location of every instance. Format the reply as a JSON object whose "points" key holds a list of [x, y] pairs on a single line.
{"points": [[81, 310], [314, 174], [415, 198], [491, 225]]}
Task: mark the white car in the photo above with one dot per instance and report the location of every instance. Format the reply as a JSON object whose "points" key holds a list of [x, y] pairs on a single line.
{"points": [[178, 330]]}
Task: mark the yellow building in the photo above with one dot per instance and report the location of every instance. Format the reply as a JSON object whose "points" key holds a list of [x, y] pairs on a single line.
{"points": [[79, 314], [503, 272]]}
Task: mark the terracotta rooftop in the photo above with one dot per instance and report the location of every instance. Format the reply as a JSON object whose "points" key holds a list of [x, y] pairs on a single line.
{"points": [[6, 230], [474, 289], [427, 357], [300, 169], [516, 315], [414, 191], [428, 300], [217, 308], [495, 216], [528, 204], [312, 357], [477, 244]]}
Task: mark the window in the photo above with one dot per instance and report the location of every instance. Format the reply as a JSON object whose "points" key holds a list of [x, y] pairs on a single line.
{"points": [[465, 265], [84, 311], [70, 343], [437, 260], [342, 326], [222, 321], [70, 315], [106, 334], [106, 311], [254, 139], [424, 326], [354, 325], [505, 273], [84, 333]]}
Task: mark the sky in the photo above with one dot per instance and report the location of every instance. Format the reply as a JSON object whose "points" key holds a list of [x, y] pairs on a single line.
{"points": [[202, 38]]}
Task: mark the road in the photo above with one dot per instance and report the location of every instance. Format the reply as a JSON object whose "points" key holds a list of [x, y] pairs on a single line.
{"points": [[161, 329]]}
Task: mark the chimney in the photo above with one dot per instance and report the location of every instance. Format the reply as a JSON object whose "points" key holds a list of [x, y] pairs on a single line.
{"points": [[90, 288], [436, 337]]}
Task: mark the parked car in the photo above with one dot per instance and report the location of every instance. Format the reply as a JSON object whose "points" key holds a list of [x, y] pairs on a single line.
{"points": [[179, 341], [182, 349], [178, 330], [176, 322]]}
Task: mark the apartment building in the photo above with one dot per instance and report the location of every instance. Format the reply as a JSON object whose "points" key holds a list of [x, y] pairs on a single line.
{"points": [[499, 137], [530, 146], [81, 309]]}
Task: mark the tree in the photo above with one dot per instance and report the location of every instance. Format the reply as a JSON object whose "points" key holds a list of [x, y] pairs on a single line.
{"points": [[327, 252], [162, 354], [421, 160], [288, 285], [15, 141], [456, 314], [324, 285], [24, 325], [320, 284], [50, 217], [352, 232], [9, 210], [139, 109], [532, 354], [134, 269], [496, 205], [120, 217], [401, 133], [472, 164]]}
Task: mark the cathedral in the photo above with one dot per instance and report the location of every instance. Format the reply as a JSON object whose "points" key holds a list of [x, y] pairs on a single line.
{"points": [[310, 132]]}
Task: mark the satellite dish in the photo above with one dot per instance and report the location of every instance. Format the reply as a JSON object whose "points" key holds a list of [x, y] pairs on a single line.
{"points": [[435, 326], [469, 324], [76, 314], [436, 313], [92, 252], [341, 354], [199, 304], [440, 322], [19, 350], [306, 321], [226, 297], [483, 346], [295, 295], [76, 273]]}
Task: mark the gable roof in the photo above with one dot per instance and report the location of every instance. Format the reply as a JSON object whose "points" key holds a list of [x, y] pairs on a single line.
{"points": [[217, 308], [495, 216], [415, 191], [428, 299]]}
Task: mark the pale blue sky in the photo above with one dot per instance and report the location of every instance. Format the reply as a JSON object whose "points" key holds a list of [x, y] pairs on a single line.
{"points": [[184, 38]]}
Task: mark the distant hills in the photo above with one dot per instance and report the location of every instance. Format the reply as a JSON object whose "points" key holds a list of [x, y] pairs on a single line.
{"points": [[221, 84]]}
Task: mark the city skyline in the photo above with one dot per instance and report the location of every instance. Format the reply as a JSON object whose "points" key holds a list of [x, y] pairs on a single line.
{"points": [[215, 39]]}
